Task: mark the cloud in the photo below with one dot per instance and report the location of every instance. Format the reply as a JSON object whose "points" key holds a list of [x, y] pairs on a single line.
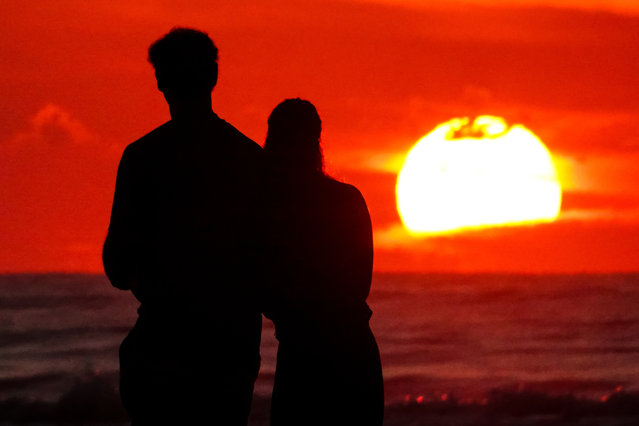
{"points": [[571, 135], [378, 160], [583, 134], [51, 119], [562, 246], [607, 174], [57, 182], [578, 207], [616, 6], [392, 237], [603, 202], [51, 128]]}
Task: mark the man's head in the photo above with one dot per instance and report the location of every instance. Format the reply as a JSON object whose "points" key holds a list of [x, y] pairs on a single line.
{"points": [[185, 63]]}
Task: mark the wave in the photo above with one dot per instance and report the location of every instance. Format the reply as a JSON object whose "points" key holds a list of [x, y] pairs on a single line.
{"points": [[10, 384], [11, 337], [93, 399]]}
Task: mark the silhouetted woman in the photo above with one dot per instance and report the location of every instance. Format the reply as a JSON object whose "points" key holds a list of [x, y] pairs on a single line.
{"points": [[318, 264]]}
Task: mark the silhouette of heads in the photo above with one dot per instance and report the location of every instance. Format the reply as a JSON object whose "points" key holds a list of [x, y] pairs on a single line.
{"points": [[293, 137], [185, 63]]}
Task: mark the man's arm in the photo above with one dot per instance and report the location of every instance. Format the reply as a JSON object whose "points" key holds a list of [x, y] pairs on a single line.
{"points": [[122, 245]]}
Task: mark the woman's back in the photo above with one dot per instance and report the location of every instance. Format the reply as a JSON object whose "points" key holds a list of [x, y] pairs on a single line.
{"points": [[318, 271], [318, 262], [319, 256]]}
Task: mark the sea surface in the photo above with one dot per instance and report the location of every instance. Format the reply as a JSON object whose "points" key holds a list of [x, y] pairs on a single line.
{"points": [[448, 342]]}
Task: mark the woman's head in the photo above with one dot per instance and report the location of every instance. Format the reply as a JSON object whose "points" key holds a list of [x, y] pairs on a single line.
{"points": [[293, 137]]}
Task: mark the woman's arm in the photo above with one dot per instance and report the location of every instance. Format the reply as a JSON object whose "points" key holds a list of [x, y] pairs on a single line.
{"points": [[353, 256]]}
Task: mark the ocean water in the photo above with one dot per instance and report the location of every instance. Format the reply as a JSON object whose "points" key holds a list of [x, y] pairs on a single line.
{"points": [[469, 334], [466, 340]]}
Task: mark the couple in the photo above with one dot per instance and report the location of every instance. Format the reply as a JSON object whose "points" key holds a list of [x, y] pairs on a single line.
{"points": [[209, 231]]}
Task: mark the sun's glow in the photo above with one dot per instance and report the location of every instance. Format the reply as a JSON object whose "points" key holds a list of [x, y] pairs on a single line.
{"points": [[474, 174]]}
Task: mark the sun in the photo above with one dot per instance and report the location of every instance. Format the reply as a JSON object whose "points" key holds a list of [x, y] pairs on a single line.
{"points": [[474, 174]]}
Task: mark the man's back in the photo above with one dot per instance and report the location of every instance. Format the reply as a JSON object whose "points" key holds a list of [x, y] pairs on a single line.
{"points": [[182, 238]]}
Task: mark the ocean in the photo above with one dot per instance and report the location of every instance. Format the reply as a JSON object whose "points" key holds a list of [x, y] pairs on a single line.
{"points": [[456, 349]]}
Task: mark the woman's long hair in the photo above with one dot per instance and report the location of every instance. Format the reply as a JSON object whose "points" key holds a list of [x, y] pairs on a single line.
{"points": [[293, 138]]}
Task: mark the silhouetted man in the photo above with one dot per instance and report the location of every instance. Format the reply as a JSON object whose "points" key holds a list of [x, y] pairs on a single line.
{"points": [[181, 238]]}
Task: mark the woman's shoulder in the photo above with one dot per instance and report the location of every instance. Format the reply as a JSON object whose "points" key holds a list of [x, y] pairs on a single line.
{"points": [[341, 189], [343, 195]]}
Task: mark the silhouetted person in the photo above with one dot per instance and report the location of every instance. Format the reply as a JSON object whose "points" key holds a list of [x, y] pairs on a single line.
{"points": [[181, 238], [318, 267]]}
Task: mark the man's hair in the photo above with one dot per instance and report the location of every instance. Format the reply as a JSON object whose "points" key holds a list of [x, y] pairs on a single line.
{"points": [[185, 60]]}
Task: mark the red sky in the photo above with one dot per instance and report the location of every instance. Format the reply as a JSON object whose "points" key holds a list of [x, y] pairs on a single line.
{"points": [[76, 89]]}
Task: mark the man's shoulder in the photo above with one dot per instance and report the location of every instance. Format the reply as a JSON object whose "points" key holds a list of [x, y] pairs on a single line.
{"points": [[151, 138], [140, 148], [169, 133], [234, 135]]}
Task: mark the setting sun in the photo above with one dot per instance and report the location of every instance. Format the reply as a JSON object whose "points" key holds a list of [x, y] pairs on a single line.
{"points": [[472, 174]]}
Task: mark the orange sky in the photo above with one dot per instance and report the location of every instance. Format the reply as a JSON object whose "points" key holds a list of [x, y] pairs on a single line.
{"points": [[76, 89]]}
